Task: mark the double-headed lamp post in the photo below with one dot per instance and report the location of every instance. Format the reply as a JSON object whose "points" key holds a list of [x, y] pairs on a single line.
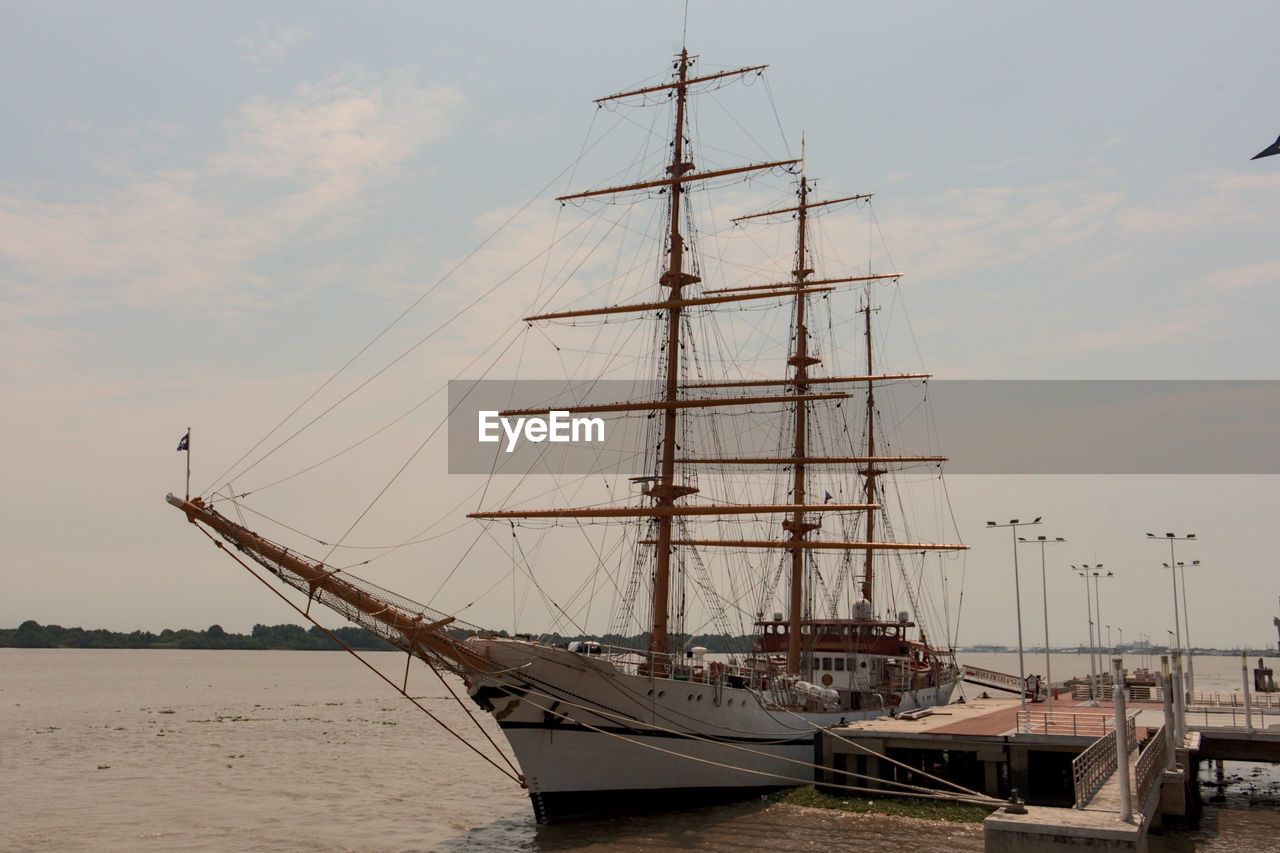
{"points": [[1017, 595], [1173, 572], [1044, 588], [1085, 570], [1097, 609], [1186, 621]]}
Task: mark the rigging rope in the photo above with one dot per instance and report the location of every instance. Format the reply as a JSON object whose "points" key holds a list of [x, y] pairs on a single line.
{"points": [[516, 777]]}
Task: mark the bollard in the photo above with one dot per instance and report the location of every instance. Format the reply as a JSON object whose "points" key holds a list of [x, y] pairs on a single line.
{"points": [[1122, 740], [1170, 721], [1179, 700], [1248, 703]]}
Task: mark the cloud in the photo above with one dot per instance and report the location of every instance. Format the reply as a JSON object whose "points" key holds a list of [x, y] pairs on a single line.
{"points": [[1142, 333], [1246, 278], [267, 46], [286, 172], [997, 166], [1207, 201], [962, 232]]}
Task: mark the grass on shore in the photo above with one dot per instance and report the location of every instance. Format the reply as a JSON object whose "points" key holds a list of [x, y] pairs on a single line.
{"points": [[888, 805]]}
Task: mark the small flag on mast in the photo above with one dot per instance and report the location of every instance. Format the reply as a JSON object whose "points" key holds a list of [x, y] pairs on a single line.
{"points": [[185, 443], [827, 499]]}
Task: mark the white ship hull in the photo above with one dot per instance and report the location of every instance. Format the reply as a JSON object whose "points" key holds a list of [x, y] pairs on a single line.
{"points": [[593, 739]]}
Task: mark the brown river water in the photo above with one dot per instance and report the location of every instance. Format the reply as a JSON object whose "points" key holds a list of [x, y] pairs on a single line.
{"points": [[280, 751]]}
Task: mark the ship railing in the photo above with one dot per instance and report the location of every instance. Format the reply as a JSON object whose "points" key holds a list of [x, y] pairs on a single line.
{"points": [[1150, 766], [678, 667], [1096, 764]]}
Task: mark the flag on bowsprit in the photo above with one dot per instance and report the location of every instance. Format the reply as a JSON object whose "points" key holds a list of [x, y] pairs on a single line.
{"points": [[185, 443]]}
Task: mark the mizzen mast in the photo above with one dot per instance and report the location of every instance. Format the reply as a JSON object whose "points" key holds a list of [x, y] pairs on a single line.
{"points": [[871, 472]]}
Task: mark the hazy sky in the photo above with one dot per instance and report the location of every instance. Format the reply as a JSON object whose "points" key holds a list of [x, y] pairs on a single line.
{"points": [[205, 209]]}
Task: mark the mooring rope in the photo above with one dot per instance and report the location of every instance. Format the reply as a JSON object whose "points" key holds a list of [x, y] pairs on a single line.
{"points": [[516, 777], [911, 790]]}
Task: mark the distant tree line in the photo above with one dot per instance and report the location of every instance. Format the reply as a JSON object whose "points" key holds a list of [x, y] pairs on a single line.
{"points": [[33, 635]]}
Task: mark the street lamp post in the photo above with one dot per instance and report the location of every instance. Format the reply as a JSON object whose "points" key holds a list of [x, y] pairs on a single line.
{"points": [[1172, 565], [1044, 589], [1088, 603], [1097, 609], [1186, 623], [1095, 675], [1017, 595]]}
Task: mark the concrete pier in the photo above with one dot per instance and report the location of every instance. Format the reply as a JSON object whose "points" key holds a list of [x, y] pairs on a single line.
{"points": [[982, 744], [1097, 825], [987, 746]]}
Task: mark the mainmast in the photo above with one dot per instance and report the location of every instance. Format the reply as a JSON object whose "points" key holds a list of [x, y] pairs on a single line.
{"points": [[665, 491], [800, 361]]}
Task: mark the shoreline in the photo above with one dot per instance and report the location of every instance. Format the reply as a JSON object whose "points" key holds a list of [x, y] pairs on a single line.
{"points": [[905, 808]]}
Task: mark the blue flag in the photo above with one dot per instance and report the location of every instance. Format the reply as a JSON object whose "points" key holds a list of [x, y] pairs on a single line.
{"points": [[185, 444]]}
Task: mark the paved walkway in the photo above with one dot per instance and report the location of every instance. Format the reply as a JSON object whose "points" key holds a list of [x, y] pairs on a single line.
{"points": [[1107, 799]]}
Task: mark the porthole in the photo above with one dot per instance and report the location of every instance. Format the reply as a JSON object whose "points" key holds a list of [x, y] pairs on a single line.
{"points": [[661, 693], [650, 691], [689, 698], [699, 697]]}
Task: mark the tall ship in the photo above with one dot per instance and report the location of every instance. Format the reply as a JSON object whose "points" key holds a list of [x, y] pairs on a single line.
{"points": [[792, 531]]}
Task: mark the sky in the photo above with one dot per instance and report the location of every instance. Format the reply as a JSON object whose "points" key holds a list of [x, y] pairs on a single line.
{"points": [[206, 210]]}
